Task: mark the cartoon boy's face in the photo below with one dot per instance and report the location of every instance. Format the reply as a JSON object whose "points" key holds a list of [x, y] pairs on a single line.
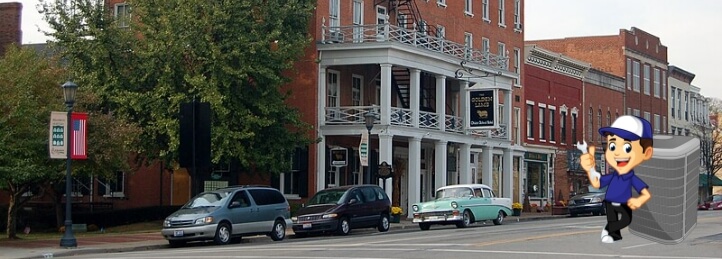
{"points": [[623, 155]]}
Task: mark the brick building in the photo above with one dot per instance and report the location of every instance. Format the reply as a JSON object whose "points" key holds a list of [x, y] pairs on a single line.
{"points": [[635, 55], [10, 22]]}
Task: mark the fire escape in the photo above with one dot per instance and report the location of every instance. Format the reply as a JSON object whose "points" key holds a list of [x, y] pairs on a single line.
{"points": [[408, 17]]}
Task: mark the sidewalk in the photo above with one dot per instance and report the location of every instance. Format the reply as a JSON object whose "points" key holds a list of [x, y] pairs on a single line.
{"points": [[153, 240]]}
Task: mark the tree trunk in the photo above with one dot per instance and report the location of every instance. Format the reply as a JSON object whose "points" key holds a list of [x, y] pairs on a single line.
{"points": [[11, 229], [57, 206]]}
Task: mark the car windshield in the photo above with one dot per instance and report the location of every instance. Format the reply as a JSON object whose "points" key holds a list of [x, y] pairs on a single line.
{"points": [[591, 189], [327, 197], [207, 199], [455, 192]]}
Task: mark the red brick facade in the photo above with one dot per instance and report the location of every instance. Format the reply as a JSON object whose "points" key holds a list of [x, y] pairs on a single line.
{"points": [[10, 21]]}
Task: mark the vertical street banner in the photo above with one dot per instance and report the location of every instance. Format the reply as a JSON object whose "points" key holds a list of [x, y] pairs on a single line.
{"points": [[58, 132], [363, 149], [482, 113], [79, 134]]}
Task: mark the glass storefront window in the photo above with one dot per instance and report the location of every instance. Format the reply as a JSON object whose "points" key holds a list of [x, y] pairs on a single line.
{"points": [[536, 185]]}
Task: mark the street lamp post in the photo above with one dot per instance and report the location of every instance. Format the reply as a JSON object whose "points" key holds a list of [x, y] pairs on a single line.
{"points": [[68, 239], [370, 118]]}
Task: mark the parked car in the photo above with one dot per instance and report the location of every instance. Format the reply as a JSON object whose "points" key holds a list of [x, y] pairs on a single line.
{"points": [[341, 209], [590, 201], [461, 205], [227, 214], [713, 202]]}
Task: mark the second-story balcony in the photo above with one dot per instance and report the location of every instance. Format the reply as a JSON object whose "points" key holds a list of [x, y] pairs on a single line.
{"points": [[402, 117], [386, 33]]}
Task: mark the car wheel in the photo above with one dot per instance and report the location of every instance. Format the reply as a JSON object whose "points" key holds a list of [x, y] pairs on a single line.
{"points": [[499, 218], [424, 226], [223, 234], [384, 223], [176, 243], [343, 227], [465, 220], [279, 231]]}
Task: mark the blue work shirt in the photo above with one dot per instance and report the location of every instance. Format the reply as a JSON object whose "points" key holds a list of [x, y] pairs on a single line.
{"points": [[620, 186]]}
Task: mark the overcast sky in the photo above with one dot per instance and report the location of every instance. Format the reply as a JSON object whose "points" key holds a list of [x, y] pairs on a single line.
{"points": [[689, 29]]}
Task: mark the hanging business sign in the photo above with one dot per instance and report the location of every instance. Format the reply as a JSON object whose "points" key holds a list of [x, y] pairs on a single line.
{"points": [[482, 109], [339, 156], [363, 149]]}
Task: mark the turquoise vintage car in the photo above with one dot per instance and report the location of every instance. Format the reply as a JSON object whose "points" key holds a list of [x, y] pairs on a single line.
{"points": [[461, 205]]}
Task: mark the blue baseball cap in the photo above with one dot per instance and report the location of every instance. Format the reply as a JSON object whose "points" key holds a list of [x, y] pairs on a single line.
{"points": [[629, 127]]}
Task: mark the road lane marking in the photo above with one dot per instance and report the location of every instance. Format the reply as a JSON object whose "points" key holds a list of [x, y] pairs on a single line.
{"points": [[635, 246], [505, 241]]}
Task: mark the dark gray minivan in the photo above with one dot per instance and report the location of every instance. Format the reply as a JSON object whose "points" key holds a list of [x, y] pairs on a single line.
{"points": [[225, 215]]}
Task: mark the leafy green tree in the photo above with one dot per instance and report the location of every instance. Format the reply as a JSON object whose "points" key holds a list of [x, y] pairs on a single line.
{"points": [[31, 90], [229, 53]]}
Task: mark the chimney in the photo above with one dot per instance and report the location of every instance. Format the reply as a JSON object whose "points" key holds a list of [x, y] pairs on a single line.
{"points": [[10, 20]]}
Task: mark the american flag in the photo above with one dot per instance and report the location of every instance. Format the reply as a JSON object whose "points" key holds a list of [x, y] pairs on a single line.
{"points": [[78, 139]]}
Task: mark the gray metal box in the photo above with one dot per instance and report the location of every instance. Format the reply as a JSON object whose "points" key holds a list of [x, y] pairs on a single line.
{"points": [[673, 178]]}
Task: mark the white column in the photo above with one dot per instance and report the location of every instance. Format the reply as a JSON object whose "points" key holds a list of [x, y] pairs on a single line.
{"points": [[321, 163], [414, 173], [440, 164], [463, 94], [508, 109], [507, 182], [486, 166], [465, 161], [385, 94], [386, 154], [441, 101], [321, 95], [414, 96]]}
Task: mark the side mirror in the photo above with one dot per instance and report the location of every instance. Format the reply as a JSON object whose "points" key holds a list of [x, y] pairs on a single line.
{"points": [[234, 204], [352, 201]]}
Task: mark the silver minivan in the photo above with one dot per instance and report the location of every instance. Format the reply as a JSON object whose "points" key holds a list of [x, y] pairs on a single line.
{"points": [[225, 215]]}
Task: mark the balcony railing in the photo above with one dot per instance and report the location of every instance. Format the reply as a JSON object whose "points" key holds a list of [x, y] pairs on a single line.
{"points": [[360, 34], [354, 115]]}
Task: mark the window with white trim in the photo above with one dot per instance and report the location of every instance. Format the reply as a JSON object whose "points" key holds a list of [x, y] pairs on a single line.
{"points": [[122, 15], [646, 78], [113, 186], [674, 104], [517, 13], [467, 7], [629, 73], [441, 3], [664, 85], [502, 53], [485, 46], [517, 126], [334, 14], [530, 121], [647, 116], [501, 13], [574, 127], [552, 131], [679, 104], [468, 44], [358, 20], [485, 10], [664, 124], [356, 90], [542, 124], [332, 88], [517, 65], [657, 123], [590, 121], [657, 85], [609, 119], [440, 31], [635, 75], [636, 112], [599, 124], [563, 127], [686, 105]]}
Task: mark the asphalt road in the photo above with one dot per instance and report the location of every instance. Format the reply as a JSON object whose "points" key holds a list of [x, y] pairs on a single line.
{"points": [[555, 238]]}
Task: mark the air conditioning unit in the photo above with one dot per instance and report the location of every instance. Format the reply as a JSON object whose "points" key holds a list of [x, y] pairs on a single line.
{"points": [[517, 26], [335, 37]]}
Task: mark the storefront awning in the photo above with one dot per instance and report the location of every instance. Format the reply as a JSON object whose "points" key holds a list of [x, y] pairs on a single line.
{"points": [[716, 181]]}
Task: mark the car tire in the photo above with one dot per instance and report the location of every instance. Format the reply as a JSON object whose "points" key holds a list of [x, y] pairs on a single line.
{"points": [[278, 232], [465, 220], [424, 226], [223, 234], [499, 218], [344, 227], [176, 243], [384, 223]]}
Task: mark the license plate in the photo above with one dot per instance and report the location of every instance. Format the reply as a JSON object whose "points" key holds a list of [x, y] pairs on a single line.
{"points": [[307, 225], [433, 218], [178, 233]]}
